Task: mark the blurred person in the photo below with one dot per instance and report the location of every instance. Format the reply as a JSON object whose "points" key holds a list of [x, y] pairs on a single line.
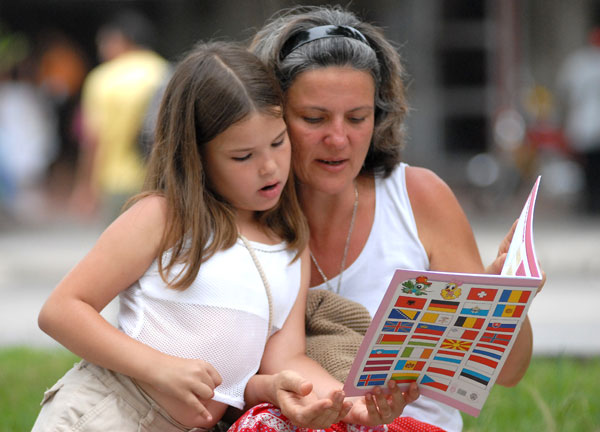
{"points": [[62, 69], [115, 97], [578, 84], [28, 130]]}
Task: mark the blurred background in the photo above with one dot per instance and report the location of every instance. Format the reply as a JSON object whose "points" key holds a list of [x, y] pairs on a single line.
{"points": [[491, 84]]}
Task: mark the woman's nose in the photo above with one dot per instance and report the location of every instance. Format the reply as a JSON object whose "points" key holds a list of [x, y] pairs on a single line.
{"points": [[337, 135]]}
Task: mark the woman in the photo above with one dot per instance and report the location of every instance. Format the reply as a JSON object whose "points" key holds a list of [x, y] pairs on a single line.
{"points": [[369, 213]]}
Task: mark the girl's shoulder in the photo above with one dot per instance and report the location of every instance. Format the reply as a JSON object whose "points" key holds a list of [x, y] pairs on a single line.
{"points": [[146, 218]]}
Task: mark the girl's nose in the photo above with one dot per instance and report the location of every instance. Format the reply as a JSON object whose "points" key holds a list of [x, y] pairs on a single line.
{"points": [[268, 167]]}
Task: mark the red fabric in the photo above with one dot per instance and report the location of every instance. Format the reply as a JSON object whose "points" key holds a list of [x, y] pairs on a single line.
{"points": [[267, 418]]}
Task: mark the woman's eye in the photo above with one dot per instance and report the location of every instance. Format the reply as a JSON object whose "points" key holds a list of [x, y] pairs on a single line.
{"points": [[312, 119], [277, 143], [242, 158], [357, 119]]}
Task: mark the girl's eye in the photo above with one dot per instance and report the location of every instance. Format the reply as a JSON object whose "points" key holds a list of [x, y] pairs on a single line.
{"points": [[278, 143], [242, 158]]}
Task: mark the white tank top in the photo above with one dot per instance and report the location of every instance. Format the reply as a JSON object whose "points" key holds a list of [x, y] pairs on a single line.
{"points": [[393, 243], [221, 318]]}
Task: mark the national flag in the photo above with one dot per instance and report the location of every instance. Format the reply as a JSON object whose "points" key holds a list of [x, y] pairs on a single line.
{"points": [[514, 296], [429, 317], [482, 294], [397, 326], [435, 382], [501, 326], [508, 310], [497, 338], [445, 368], [469, 322], [371, 380], [436, 318], [476, 309], [404, 378], [474, 377], [455, 344], [410, 302], [407, 314], [377, 365], [460, 333], [494, 348], [449, 356], [416, 352], [478, 366], [430, 329], [443, 306], [483, 360], [383, 353], [391, 339], [423, 340], [409, 365], [382, 362], [487, 352]]}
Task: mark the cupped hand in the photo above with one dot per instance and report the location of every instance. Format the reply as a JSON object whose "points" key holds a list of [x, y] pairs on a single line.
{"points": [[378, 407], [188, 380], [298, 402]]}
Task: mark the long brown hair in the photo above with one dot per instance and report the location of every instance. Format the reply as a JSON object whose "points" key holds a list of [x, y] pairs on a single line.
{"points": [[216, 85]]}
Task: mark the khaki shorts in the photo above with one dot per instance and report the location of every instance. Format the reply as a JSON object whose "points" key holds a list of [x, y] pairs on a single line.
{"points": [[91, 398]]}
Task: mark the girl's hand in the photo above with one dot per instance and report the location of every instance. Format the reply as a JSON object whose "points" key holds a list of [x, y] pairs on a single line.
{"points": [[302, 407], [377, 408], [189, 381]]}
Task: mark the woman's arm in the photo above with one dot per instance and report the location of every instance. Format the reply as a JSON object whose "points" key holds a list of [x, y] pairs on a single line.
{"points": [[71, 315], [450, 244]]}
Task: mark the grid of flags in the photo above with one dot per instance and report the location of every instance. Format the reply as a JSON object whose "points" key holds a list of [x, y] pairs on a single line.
{"points": [[442, 342]]}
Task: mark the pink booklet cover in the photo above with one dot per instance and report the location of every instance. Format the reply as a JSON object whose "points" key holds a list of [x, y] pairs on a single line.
{"points": [[450, 332]]}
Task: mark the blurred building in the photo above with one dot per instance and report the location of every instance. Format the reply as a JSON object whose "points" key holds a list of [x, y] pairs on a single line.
{"points": [[470, 63]]}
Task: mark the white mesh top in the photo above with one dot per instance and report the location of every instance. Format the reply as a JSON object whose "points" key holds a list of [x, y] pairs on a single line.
{"points": [[221, 318]]}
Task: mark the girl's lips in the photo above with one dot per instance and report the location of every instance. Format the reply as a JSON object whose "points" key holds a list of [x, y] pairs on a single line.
{"points": [[272, 190]]}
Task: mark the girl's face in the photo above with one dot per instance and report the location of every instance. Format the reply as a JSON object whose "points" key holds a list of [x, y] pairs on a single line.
{"points": [[248, 164], [330, 114]]}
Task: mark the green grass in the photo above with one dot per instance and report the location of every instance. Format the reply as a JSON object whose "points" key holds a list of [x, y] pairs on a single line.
{"points": [[24, 376], [557, 394]]}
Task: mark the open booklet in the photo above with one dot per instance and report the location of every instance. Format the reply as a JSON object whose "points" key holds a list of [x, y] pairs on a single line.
{"points": [[450, 332]]}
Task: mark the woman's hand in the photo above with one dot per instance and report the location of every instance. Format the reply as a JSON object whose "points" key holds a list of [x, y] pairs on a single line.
{"points": [[496, 266], [378, 408], [297, 401]]}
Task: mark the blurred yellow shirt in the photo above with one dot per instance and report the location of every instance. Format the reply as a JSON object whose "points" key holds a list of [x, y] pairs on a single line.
{"points": [[114, 101]]}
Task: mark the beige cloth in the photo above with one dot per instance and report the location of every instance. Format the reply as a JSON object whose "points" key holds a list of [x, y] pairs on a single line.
{"points": [[335, 327]]}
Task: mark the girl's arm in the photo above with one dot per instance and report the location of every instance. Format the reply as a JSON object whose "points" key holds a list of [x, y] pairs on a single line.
{"points": [[71, 315], [286, 350], [450, 244]]}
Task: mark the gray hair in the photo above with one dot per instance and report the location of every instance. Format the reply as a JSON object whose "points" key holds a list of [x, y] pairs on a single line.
{"points": [[380, 59]]}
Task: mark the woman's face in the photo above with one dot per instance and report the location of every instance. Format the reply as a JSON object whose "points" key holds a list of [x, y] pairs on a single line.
{"points": [[329, 113]]}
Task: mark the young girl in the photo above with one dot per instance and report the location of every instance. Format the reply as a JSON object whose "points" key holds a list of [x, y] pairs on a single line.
{"points": [[208, 262]]}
